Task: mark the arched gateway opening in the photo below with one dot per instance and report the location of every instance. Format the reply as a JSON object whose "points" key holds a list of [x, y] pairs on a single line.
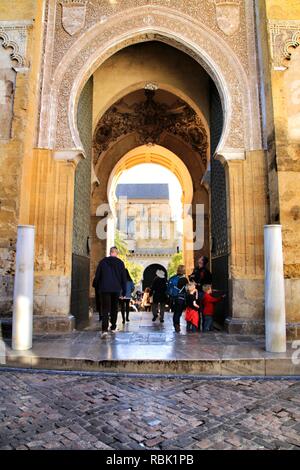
{"points": [[150, 273], [95, 109], [149, 103]]}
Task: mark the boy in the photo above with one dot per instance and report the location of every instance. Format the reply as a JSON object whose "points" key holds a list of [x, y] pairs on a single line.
{"points": [[208, 302]]}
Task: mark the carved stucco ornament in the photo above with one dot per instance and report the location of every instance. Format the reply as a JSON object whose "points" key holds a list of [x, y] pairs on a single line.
{"points": [[13, 35], [73, 15], [149, 119], [283, 36], [228, 15]]}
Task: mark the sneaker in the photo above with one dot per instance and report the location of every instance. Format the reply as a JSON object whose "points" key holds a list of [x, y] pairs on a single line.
{"points": [[162, 321], [104, 334], [177, 329], [113, 330]]}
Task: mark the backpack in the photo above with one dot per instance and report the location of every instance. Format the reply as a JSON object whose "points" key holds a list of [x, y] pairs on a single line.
{"points": [[173, 289]]}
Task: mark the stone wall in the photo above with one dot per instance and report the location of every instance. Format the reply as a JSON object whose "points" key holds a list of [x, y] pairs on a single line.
{"points": [[284, 39], [20, 53]]}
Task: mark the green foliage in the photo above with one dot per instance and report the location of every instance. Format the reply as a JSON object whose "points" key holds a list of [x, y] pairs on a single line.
{"points": [[120, 243], [135, 270], [176, 260]]}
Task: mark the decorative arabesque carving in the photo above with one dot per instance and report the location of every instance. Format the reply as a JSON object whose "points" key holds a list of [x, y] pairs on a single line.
{"points": [[14, 35], [149, 119], [283, 36]]}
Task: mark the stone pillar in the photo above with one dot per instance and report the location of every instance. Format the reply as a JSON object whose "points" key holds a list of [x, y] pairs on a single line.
{"points": [[275, 322], [23, 289], [247, 215], [51, 212]]}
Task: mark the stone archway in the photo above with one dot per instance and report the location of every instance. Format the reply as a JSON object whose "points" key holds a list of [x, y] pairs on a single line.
{"points": [[150, 273], [239, 148], [59, 103], [177, 140], [161, 156]]}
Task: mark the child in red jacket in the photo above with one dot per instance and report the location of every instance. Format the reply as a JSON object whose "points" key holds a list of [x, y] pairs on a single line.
{"points": [[208, 302]]}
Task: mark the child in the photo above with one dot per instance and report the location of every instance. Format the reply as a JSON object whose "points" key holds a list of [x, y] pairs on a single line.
{"points": [[146, 301], [208, 302], [191, 312]]}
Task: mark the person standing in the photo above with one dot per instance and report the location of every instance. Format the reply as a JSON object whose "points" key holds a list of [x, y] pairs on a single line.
{"points": [[125, 301], [159, 293], [110, 279], [201, 276], [146, 300], [177, 291], [209, 302]]}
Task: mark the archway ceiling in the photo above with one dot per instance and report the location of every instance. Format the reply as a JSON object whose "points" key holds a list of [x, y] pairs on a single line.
{"points": [[150, 114]]}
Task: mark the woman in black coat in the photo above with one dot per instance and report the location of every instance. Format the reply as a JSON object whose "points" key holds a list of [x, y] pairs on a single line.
{"points": [[159, 293]]}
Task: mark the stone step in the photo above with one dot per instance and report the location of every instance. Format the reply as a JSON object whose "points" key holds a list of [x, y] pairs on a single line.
{"points": [[236, 367]]}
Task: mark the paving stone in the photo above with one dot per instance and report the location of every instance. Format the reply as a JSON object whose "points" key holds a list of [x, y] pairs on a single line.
{"points": [[139, 414]]}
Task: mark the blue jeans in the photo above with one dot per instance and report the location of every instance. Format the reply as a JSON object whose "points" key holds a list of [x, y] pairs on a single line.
{"points": [[207, 322], [191, 327]]}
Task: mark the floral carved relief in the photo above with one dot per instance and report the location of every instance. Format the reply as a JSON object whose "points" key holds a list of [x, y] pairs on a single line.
{"points": [[284, 35], [149, 120]]}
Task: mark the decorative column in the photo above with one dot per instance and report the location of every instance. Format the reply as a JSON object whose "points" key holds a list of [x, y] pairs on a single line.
{"points": [[275, 322], [23, 289]]}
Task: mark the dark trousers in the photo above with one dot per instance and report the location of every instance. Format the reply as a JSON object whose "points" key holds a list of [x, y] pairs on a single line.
{"points": [[179, 306], [125, 308], [191, 327], [109, 307], [98, 304], [207, 322]]}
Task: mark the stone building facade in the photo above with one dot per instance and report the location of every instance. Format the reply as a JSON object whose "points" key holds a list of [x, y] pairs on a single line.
{"points": [[69, 68], [148, 226]]}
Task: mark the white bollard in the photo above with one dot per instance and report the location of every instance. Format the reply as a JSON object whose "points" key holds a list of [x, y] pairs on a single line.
{"points": [[23, 289], [275, 321]]}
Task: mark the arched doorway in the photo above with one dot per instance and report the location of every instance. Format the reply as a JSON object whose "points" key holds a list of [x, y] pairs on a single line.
{"points": [[150, 274], [157, 155], [236, 137], [156, 123]]}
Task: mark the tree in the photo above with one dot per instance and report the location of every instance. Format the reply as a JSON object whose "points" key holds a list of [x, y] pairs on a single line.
{"points": [[135, 270], [176, 260]]}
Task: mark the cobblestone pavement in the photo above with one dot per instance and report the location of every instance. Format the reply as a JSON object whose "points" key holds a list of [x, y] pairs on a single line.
{"points": [[72, 411]]}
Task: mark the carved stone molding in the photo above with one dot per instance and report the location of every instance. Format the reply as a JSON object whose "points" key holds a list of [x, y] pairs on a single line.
{"points": [[283, 36], [149, 119], [228, 15], [14, 36], [73, 15], [76, 58]]}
